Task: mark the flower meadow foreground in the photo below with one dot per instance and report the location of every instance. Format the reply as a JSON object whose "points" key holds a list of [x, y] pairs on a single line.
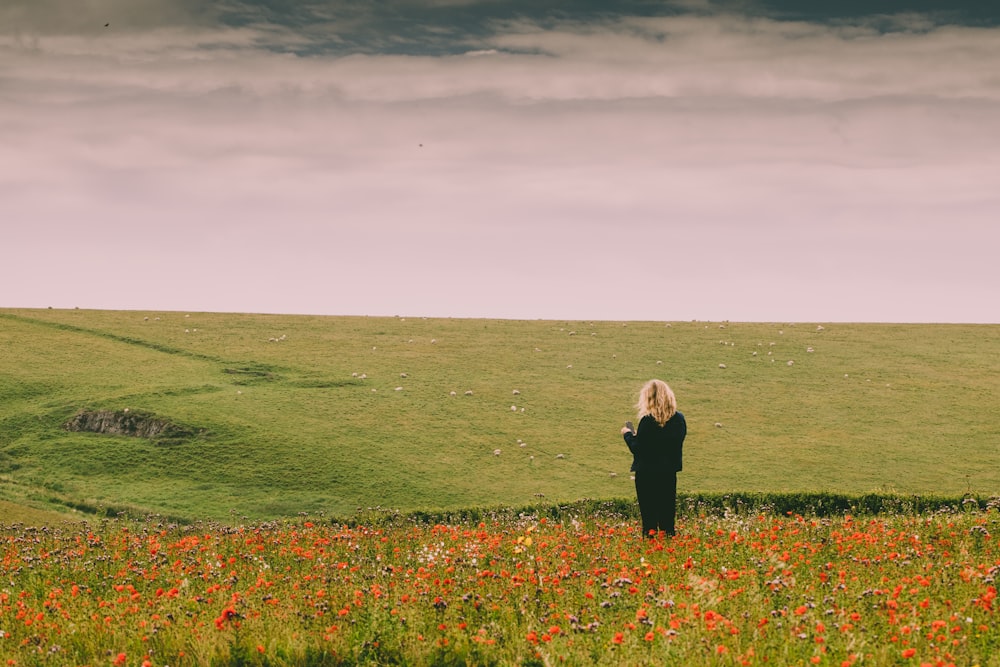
{"points": [[736, 590]]}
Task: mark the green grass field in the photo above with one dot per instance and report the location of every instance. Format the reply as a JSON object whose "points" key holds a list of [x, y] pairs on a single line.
{"points": [[284, 426]]}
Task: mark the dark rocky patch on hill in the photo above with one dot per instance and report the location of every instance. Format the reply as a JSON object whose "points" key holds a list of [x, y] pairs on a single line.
{"points": [[251, 374], [129, 423]]}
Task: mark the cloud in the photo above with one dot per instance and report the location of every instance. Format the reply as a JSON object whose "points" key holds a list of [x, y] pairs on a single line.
{"points": [[693, 90], [765, 149], [686, 56]]}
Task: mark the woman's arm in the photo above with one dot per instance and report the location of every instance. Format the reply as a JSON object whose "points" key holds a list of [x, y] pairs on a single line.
{"points": [[635, 441], [628, 435]]}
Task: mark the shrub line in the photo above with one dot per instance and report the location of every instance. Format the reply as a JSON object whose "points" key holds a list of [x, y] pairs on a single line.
{"points": [[813, 504]]}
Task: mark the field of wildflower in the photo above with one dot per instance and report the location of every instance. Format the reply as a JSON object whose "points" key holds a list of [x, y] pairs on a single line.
{"points": [[748, 588]]}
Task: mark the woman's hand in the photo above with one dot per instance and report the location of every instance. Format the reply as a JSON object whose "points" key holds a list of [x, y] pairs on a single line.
{"points": [[626, 429]]}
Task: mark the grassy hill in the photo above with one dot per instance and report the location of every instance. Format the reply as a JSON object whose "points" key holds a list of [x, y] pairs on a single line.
{"points": [[284, 414]]}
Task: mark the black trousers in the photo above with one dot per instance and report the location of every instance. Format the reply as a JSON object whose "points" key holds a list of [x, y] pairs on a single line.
{"points": [[656, 492]]}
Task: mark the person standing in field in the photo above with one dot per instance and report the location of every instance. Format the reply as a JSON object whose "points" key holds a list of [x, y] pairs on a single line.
{"points": [[656, 447]]}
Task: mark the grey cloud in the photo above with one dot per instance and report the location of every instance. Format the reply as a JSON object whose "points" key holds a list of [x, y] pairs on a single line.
{"points": [[716, 92], [682, 57], [699, 86], [733, 56]]}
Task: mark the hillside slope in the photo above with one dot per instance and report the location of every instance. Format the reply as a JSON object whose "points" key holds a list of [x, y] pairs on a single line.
{"points": [[284, 414]]}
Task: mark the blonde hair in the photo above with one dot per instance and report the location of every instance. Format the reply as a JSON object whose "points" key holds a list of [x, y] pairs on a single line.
{"points": [[657, 399]]}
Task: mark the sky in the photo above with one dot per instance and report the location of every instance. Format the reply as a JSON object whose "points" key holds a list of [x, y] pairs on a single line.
{"points": [[778, 160]]}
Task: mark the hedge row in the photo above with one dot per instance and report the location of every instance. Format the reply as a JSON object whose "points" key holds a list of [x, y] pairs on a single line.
{"points": [[694, 504]]}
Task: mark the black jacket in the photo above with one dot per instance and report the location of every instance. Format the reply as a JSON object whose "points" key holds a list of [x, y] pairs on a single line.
{"points": [[657, 448]]}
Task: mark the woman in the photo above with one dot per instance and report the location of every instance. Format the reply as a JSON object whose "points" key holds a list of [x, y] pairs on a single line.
{"points": [[656, 449]]}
